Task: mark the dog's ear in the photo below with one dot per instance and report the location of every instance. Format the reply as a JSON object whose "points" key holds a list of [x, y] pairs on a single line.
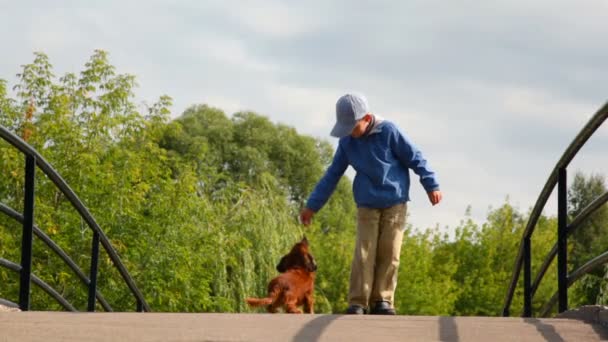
{"points": [[282, 267], [304, 240]]}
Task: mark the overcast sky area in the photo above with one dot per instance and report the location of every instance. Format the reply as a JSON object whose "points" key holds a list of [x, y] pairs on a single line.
{"points": [[492, 92]]}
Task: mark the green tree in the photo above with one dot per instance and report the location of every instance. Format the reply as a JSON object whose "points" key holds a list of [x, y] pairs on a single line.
{"points": [[251, 151]]}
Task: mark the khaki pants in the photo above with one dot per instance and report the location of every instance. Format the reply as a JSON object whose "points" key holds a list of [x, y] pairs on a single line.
{"points": [[376, 260]]}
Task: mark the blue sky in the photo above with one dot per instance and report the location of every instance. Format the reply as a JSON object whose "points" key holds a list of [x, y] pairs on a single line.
{"points": [[491, 91]]}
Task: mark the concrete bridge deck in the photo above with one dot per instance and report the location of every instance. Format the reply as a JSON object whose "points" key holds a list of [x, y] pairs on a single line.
{"points": [[64, 326]]}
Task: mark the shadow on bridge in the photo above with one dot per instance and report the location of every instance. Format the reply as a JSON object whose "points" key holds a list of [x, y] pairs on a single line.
{"points": [[313, 330], [546, 330], [448, 329]]}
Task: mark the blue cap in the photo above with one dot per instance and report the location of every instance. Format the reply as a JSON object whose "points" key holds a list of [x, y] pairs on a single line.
{"points": [[349, 109]]}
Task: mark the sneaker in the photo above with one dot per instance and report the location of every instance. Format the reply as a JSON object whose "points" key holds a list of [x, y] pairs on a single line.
{"points": [[355, 310], [383, 308]]}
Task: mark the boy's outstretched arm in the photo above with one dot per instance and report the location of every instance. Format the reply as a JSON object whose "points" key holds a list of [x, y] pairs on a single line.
{"points": [[325, 187]]}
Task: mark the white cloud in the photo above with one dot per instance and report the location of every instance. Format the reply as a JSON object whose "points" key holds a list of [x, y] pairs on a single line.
{"points": [[310, 110], [271, 18], [536, 104], [226, 50]]}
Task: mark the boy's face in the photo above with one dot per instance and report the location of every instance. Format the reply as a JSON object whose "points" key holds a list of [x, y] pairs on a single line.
{"points": [[361, 127]]}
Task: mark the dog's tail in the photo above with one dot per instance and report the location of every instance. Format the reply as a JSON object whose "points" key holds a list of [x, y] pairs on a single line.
{"points": [[259, 301], [274, 292]]}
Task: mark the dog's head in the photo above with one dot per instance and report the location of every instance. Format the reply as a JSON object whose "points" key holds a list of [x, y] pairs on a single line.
{"points": [[298, 257]]}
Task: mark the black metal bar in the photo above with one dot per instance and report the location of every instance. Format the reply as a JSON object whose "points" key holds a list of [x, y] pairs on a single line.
{"points": [[588, 267], [586, 212], [94, 267], [527, 278], [27, 234], [57, 250], [41, 284], [514, 278], [562, 240], [140, 306], [543, 269], [8, 303], [53, 293]]}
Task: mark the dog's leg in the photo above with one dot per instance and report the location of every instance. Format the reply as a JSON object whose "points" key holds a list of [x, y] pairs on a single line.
{"points": [[291, 304], [275, 293], [276, 304], [309, 303], [292, 308]]}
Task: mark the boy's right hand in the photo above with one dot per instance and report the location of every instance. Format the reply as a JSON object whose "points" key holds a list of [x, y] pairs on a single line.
{"points": [[306, 216]]}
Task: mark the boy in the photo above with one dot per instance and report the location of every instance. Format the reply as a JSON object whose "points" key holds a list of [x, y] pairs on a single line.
{"points": [[382, 157]]}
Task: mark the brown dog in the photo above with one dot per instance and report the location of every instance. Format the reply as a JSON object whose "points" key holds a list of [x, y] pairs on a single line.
{"points": [[294, 287]]}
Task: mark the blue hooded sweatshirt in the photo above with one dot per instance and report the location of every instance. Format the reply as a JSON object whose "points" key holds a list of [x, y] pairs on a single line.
{"points": [[382, 160]]}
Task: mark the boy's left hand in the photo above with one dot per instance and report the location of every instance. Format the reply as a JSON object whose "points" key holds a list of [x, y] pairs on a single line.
{"points": [[435, 196]]}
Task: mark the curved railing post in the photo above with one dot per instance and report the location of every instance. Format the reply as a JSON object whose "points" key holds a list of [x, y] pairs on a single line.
{"points": [[562, 239], [27, 235]]}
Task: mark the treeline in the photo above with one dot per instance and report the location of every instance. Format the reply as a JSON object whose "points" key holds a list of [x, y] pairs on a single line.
{"points": [[201, 208]]}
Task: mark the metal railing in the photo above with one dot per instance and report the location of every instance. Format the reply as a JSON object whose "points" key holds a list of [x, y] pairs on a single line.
{"points": [[557, 177], [33, 159]]}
